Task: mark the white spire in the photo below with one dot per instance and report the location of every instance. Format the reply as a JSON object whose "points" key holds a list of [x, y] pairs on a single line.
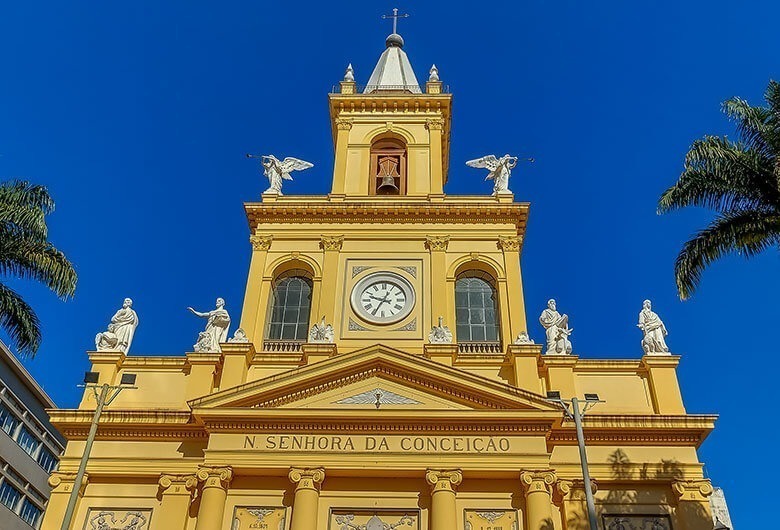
{"points": [[393, 72]]}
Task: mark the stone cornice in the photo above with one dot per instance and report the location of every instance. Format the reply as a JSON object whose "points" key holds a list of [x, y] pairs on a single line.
{"points": [[128, 424], [628, 429], [528, 423], [449, 212]]}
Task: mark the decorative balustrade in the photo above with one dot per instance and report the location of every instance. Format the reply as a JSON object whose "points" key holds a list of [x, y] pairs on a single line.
{"points": [[282, 346], [479, 347]]}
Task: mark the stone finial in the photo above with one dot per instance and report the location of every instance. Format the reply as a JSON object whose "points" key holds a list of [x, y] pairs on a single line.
{"points": [[239, 335], [349, 75], [523, 338], [322, 333], [440, 334], [433, 75]]}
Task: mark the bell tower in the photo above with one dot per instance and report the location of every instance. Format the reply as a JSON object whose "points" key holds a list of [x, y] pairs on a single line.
{"points": [[391, 138], [386, 257]]}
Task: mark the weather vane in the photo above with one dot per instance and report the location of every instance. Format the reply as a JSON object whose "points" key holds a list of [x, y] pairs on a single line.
{"points": [[395, 16]]}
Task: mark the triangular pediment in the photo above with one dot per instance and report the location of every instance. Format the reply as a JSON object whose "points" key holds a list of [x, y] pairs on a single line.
{"points": [[357, 380]]}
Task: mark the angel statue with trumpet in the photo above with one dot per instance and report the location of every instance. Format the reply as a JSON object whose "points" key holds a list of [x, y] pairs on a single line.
{"points": [[276, 170], [500, 170]]}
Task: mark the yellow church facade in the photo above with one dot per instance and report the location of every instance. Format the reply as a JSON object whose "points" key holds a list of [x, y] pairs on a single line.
{"points": [[383, 378]]}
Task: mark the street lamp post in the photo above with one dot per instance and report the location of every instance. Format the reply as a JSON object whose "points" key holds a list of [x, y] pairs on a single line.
{"points": [[571, 410], [104, 395]]}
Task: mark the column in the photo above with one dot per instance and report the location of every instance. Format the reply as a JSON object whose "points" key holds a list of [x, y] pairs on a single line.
{"points": [[435, 127], [176, 492], [437, 246], [253, 314], [331, 246], [343, 126], [61, 486], [444, 514], [213, 494], [537, 486], [515, 309], [693, 505], [307, 497]]}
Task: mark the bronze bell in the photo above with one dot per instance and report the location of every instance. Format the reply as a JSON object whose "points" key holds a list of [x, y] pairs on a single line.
{"points": [[387, 185]]}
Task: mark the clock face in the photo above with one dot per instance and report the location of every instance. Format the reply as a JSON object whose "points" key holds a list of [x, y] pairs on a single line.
{"points": [[383, 298]]}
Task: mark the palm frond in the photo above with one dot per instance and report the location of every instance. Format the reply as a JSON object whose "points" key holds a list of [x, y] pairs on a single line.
{"points": [[32, 259], [25, 205], [745, 232], [722, 175], [20, 321], [753, 125]]}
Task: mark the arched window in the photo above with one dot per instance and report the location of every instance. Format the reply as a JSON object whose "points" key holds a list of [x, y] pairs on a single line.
{"points": [[290, 307], [388, 167], [476, 308]]}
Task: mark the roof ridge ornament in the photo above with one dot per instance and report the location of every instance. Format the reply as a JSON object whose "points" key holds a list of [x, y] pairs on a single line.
{"points": [[395, 16]]}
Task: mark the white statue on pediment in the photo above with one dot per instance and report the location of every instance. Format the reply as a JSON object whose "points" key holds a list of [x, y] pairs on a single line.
{"points": [[557, 329], [217, 324], [120, 331], [276, 171], [499, 169], [653, 342]]}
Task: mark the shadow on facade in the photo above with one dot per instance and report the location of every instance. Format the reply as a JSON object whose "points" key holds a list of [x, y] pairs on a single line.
{"points": [[623, 492]]}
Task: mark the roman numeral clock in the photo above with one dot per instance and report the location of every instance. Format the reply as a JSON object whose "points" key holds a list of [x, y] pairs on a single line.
{"points": [[383, 298]]}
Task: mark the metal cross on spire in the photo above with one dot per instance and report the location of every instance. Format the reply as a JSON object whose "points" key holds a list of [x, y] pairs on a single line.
{"points": [[395, 16]]}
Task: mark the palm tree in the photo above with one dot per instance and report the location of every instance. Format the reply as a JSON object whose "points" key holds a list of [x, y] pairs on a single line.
{"points": [[26, 253], [740, 180]]}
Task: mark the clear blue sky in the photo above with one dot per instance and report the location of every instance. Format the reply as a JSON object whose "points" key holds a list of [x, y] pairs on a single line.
{"points": [[137, 116]]}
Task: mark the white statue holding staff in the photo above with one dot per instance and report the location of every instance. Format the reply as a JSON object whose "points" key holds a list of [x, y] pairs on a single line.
{"points": [[277, 170], [500, 170], [120, 331], [557, 328], [653, 327], [216, 326]]}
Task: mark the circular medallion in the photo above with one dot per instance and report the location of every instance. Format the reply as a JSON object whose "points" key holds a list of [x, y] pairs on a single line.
{"points": [[383, 298]]}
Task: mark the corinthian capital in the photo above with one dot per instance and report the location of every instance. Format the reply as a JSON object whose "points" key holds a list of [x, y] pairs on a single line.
{"points": [[331, 242], [510, 243], [343, 124], [178, 484], [439, 243], [260, 241], [434, 124], [537, 481], [443, 479], [215, 477], [692, 490], [307, 478]]}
